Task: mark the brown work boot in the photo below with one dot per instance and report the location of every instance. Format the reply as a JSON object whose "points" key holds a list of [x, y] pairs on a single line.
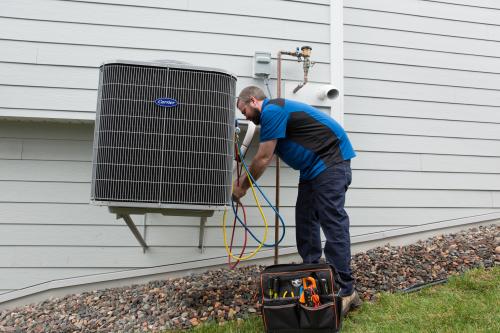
{"points": [[350, 302]]}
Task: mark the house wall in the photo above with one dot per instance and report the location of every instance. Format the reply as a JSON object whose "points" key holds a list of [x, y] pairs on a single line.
{"points": [[422, 108], [51, 51], [422, 105]]}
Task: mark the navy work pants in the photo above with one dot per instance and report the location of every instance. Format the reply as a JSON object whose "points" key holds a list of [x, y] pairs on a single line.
{"points": [[320, 203]]}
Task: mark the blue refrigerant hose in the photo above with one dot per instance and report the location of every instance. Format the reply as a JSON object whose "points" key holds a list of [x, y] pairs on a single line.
{"points": [[267, 200]]}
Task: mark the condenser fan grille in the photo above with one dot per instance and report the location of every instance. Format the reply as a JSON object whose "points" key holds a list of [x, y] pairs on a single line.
{"points": [[176, 154]]}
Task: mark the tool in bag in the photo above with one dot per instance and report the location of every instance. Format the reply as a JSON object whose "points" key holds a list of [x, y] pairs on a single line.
{"points": [[309, 294], [300, 298]]}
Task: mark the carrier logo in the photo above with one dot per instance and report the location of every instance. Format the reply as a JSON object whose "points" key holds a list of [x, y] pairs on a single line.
{"points": [[166, 102]]}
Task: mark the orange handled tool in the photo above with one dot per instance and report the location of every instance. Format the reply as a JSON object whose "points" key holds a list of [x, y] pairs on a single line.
{"points": [[309, 283]]}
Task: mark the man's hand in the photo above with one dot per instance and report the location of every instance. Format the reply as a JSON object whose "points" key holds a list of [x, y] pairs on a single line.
{"points": [[259, 164], [238, 192]]}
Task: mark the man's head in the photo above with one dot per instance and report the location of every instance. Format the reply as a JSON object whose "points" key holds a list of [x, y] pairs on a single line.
{"points": [[250, 103]]}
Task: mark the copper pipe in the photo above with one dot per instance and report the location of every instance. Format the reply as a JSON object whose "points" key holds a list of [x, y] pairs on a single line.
{"points": [[305, 54], [277, 196]]}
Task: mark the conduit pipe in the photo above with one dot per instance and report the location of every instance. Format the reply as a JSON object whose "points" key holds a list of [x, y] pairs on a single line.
{"points": [[302, 56], [277, 196]]}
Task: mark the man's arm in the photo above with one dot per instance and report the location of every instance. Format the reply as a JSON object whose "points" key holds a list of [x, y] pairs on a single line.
{"points": [[259, 163]]}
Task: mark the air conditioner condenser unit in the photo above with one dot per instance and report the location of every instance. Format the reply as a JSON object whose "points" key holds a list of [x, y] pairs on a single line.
{"points": [[164, 136]]}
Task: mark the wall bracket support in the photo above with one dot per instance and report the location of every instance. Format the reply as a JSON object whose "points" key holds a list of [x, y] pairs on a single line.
{"points": [[125, 212]]}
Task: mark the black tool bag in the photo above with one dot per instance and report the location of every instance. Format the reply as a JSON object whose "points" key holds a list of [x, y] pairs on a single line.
{"points": [[300, 298]]}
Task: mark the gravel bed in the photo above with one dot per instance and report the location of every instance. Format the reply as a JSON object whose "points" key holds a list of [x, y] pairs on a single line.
{"points": [[222, 294]]}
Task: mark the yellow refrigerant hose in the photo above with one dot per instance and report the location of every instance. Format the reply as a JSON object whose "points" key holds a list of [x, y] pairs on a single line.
{"points": [[266, 227]]}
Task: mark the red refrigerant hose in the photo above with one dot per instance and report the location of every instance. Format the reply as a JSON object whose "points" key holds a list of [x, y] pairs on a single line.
{"points": [[238, 174]]}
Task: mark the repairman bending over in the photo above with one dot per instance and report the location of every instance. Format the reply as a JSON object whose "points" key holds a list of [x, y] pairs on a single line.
{"points": [[312, 142]]}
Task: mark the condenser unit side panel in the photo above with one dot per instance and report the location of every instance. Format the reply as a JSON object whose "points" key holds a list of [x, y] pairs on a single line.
{"points": [[95, 144]]}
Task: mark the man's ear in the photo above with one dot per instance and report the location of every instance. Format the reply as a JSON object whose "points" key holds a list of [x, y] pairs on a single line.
{"points": [[254, 101]]}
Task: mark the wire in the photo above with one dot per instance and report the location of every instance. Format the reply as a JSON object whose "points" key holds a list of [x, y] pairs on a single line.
{"points": [[420, 286], [224, 218], [233, 266], [253, 181], [266, 81], [249, 231], [238, 174], [266, 227], [235, 211]]}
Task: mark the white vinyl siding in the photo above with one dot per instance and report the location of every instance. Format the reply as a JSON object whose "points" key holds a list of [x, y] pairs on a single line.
{"points": [[51, 51], [422, 106], [422, 109]]}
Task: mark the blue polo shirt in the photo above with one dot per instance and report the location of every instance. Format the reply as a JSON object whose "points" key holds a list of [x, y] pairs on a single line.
{"points": [[308, 139]]}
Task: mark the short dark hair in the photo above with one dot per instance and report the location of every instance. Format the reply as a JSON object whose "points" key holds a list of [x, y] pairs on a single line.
{"points": [[249, 92]]}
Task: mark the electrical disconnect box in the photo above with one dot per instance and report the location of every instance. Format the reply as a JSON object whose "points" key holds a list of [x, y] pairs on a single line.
{"points": [[262, 64]]}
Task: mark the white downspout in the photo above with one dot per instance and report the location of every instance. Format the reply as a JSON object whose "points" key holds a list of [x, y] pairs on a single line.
{"points": [[337, 57]]}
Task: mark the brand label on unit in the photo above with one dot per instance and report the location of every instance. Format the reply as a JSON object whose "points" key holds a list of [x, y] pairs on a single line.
{"points": [[166, 102]]}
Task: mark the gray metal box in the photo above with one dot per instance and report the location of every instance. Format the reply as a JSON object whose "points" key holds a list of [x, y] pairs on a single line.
{"points": [[262, 64]]}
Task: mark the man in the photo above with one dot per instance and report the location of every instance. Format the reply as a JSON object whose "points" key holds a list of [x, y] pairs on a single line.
{"points": [[312, 142]]}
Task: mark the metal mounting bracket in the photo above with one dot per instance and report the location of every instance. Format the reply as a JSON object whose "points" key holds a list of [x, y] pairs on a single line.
{"points": [[125, 212], [133, 228]]}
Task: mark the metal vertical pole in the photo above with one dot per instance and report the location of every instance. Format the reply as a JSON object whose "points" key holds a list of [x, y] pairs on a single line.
{"points": [[277, 198]]}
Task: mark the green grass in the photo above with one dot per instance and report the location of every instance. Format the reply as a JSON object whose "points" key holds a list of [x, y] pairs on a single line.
{"points": [[469, 303]]}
